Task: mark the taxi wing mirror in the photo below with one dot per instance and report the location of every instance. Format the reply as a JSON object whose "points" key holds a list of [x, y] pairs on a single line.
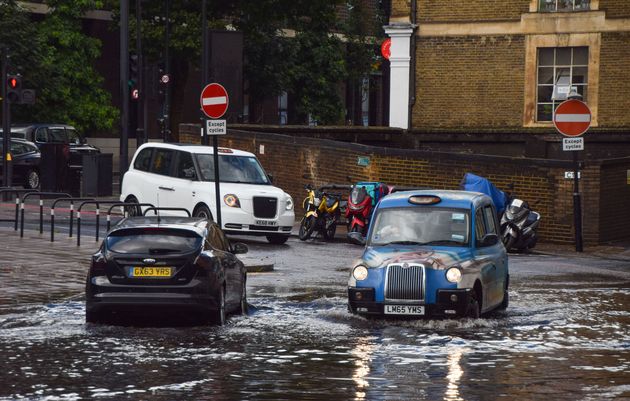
{"points": [[356, 238], [489, 240]]}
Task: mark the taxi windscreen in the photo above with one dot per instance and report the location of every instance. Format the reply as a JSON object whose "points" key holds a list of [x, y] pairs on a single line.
{"points": [[421, 226]]}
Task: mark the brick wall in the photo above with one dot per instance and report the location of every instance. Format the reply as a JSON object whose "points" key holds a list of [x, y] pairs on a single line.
{"points": [[614, 199], [471, 10], [615, 8], [469, 82], [614, 81], [296, 161]]}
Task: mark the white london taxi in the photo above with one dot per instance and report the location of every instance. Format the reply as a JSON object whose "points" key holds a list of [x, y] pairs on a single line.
{"points": [[182, 176]]}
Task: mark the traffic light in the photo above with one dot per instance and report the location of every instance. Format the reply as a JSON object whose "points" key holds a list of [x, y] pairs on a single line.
{"points": [[14, 88], [133, 69]]}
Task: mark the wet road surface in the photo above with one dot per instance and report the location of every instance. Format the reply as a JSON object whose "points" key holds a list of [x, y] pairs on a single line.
{"points": [[565, 336]]}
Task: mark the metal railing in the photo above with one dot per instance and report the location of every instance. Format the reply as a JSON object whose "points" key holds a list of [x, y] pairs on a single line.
{"points": [[17, 192], [97, 203], [41, 207], [52, 214]]}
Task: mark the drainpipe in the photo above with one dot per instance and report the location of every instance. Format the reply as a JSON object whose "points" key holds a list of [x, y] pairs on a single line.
{"points": [[412, 67]]}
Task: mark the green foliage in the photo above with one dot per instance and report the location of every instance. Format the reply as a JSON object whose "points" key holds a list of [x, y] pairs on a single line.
{"points": [[57, 60]]}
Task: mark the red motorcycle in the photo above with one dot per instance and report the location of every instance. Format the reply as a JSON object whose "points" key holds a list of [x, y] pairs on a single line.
{"points": [[361, 201]]}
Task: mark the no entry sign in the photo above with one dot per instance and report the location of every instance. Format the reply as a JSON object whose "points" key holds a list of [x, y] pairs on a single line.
{"points": [[572, 117], [214, 100], [386, 47]]}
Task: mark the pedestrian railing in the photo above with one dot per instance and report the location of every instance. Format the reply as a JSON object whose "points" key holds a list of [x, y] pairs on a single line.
{"points": [[97, 203], [71, 216], [41, 195], [17, 192], [156, 210], [126, 205]]}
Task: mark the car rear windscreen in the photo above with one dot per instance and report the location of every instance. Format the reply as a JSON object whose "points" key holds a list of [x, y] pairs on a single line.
{"points": [[153, 241]]}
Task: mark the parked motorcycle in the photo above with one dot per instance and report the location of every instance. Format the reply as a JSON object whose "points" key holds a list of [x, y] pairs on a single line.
{"points": [[321, 214], [361, 201], [518, 226]]}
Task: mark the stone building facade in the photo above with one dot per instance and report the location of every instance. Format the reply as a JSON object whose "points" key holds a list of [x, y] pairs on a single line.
{"points": [[506, 64]]}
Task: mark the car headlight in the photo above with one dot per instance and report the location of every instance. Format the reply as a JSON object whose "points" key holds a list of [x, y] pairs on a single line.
{"points": [[454, 275], [289, 205], [360, 273], [231, 200]]}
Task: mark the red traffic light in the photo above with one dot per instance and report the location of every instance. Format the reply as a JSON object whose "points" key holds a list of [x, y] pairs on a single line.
{"points": [[13, 82]]}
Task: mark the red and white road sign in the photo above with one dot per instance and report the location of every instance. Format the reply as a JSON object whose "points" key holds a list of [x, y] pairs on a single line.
{"points": [[572, 117], [386, 48], [214, 100]]}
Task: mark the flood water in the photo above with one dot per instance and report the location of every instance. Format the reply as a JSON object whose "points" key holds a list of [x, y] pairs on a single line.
{"points": [[564, 337]]}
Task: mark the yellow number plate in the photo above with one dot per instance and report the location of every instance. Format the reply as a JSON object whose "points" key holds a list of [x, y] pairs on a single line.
{"points": [[150, 271]]}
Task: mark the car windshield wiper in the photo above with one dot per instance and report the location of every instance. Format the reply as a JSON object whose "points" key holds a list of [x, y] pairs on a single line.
{"points": [[155, 251], [442, 242], [403, 243]]}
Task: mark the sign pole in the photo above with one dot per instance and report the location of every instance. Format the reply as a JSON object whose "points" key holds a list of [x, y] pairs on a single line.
{"points": [[572, 119], [577, 203]]}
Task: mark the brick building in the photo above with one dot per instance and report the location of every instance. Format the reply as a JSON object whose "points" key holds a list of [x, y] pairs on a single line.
{"points": [[506, 64]]}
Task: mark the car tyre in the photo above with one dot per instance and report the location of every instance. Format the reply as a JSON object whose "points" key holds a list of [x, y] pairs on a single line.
{"points": [[92, 317], [506, 301], [133, 210], [33, 180], [217, 316], [203, 211], [244, 307], [277, 239], [306, 227], [473, 311]]}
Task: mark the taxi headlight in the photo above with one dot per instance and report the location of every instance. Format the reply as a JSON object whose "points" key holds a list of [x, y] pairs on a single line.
{"points": [[231, 200], [360, 273], [454, 275], [289, 205]]}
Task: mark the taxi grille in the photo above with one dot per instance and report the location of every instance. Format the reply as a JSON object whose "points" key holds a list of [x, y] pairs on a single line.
{"points": [[265, 207], [405, 283]]}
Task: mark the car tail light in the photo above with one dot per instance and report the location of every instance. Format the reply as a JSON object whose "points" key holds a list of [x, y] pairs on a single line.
{"points": [[98, 264]]}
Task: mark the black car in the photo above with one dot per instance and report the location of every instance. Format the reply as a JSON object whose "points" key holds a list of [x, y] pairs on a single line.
{"points": [[26, 159], [150, 265], [55, 133]]}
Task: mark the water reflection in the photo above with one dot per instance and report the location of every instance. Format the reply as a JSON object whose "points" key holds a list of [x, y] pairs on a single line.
{"points": [[455, 373], [363, 356]]}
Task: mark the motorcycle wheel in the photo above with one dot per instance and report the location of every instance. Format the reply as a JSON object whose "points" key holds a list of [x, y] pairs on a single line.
{"points": [[306, 228], [508, 241], [329, 233]]}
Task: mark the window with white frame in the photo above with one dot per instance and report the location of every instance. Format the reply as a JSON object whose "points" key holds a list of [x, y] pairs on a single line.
{"points": [[563, 5], [560, 69]]}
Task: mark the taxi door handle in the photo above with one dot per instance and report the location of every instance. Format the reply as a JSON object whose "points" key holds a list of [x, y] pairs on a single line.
{"points": [[167, 188]]}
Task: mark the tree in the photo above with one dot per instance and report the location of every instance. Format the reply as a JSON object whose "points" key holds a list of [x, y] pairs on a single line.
{"points": [[57, 60]]}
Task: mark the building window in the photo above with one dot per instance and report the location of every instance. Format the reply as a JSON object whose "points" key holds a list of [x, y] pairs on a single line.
{"points": [[563, 5], [560, 69]]}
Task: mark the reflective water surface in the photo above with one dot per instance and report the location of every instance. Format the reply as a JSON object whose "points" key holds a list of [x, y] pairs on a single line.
{"points": [[558, 340]]}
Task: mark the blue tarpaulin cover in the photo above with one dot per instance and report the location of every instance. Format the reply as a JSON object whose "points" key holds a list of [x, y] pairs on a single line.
{"points": [[472, 182]]}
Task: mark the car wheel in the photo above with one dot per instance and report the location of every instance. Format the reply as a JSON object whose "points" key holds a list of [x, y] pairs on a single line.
{"points": [[92, 317], [203, 212], [244, 308], [306, 227], [133, 210], [506, 301], [218, 315], [473, 311], [32, 179], [277, 239]]}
